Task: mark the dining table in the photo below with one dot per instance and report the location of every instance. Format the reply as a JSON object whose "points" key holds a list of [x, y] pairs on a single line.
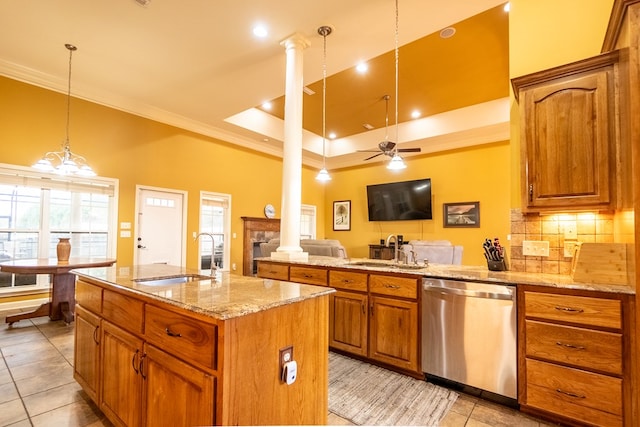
{"points": [[61, 302]]}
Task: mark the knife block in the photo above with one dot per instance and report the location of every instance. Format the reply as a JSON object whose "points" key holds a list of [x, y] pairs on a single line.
{"points": [[500, 265]]}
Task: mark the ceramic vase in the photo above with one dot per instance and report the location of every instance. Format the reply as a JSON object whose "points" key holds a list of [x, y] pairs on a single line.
{"points": [[63, 250]]}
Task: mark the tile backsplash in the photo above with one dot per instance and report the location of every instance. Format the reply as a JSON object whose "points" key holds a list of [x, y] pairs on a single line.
{"points": [[562, 231]]}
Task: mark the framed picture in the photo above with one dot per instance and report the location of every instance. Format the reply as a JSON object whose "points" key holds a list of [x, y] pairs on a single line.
{"points": [[342, 215], [461, 215]]}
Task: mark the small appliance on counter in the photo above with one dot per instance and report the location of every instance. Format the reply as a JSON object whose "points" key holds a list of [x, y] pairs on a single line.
{"points": [[495, 255]]}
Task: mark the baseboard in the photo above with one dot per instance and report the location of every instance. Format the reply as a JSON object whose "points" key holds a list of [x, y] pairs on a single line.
{"points": [[25, 303]]}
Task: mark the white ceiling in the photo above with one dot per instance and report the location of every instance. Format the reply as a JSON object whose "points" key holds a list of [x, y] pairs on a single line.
{"points": [[195, 63]]}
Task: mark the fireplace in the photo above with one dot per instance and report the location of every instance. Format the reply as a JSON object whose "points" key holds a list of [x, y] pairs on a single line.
{"points": [[256, 231]]}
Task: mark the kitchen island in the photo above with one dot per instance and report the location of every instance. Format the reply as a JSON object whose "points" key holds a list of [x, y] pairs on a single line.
{"points": [[163, 345]]}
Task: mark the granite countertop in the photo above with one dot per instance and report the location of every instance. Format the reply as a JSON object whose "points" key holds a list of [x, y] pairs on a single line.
{"points": [[223, 296], [464, 272]]}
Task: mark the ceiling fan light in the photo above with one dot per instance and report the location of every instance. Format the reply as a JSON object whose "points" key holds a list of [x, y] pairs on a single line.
{"points": [[396, 163], [323, 175]]}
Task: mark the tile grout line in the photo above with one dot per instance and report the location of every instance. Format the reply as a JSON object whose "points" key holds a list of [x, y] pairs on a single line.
{"points": [[16, 386]]}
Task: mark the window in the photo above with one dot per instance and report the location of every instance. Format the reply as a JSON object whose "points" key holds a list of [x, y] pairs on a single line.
{"points": [[307, 222], [215, 220], [36, 209]]}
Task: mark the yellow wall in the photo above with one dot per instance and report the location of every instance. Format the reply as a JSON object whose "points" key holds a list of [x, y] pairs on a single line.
{"points": [[138, 151], [466, 175]]}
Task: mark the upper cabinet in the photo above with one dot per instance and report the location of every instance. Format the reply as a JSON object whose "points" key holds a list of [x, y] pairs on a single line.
{"points": [[568, 134]]}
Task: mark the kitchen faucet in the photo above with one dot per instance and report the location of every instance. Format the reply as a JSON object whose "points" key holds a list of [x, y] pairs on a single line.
{"points": [[395, 241], [213, 244]]}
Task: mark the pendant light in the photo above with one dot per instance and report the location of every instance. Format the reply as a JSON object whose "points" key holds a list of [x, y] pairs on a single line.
{"points": [[323, 175], [396, 162], [65, 162]]}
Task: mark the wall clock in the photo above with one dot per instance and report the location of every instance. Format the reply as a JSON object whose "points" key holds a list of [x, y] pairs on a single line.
{"points": [[269, 211]]}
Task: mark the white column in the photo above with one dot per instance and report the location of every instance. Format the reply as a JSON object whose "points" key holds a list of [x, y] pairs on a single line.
{"points": [[292, 156]]}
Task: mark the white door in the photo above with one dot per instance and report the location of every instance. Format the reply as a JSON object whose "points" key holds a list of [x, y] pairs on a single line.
{"points": [[160, 227]]}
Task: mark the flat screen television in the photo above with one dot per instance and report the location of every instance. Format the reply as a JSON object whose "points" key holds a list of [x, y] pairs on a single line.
{"points": [[400, 201]]}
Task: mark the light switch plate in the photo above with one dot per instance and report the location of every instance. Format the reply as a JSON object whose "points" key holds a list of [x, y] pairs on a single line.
{"points": [[535, 248]]}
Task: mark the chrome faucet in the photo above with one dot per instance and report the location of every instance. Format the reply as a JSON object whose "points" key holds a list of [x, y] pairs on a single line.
{"points": [[395, 241], [213, 243]]}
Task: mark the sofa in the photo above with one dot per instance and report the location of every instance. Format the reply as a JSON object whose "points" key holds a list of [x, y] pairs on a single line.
{"points": [[434, 251], [324, 247]]}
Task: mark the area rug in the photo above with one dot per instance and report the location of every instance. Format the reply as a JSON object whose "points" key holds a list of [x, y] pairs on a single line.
{"points": [[369, 395]]}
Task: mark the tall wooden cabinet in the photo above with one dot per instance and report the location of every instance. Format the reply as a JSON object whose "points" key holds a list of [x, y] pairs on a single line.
{"points": [[569, 141]]}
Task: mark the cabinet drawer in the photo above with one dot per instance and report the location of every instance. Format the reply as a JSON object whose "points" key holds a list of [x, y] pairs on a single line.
{"points": [[589, 397], [393, 286], [89, 296], [123, 311], [309, 275], [585, 348], [348, 280], [269, 270], [587, 311], [184, 337]]}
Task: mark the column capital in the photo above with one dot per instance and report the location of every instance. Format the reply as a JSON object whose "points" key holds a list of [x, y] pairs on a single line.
{"points": [[295, 40]]}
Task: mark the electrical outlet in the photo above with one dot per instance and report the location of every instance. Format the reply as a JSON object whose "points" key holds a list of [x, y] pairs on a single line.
{"points": [[234, 267], [569, 249], [286, 355], [535, 248]]}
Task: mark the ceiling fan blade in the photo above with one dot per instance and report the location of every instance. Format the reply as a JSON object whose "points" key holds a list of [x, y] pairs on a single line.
{"points": [[368, 151], [409, 150], [375, 155]]}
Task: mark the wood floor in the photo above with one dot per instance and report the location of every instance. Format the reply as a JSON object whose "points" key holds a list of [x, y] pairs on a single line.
{"points": [[37, 386]]}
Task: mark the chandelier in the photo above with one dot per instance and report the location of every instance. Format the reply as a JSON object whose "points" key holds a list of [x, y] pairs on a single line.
{"points": [[323, 175], [65, 162]]}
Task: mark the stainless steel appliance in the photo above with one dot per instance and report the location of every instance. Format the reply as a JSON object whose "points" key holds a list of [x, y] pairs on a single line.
{"points": [[469, 334]]}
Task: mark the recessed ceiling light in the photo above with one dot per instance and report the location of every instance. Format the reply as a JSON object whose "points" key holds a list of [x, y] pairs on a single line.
{"points": [[267, 105], [332, 135], [260, 31], [447, 32], [507, 7], [362, 67], [415, 114]]}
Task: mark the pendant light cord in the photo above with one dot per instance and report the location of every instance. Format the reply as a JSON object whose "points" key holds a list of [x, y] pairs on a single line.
{"points": [[325, 32], [396, 52], [71, 49]]}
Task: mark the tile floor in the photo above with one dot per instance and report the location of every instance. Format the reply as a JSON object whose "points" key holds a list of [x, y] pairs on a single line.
{"points": [[37, 386]]}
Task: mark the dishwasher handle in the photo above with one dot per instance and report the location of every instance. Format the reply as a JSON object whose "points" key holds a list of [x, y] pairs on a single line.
{"points": [[505, 293]]}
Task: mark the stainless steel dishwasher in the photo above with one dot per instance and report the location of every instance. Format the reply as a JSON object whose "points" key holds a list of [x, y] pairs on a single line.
{"points": [[469, 334]]}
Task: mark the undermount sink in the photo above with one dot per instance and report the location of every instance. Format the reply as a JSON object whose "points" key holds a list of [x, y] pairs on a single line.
{"points": [[171, 280], [388, 265]]}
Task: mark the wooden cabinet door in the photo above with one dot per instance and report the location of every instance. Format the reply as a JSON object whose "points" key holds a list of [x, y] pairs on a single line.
{"points": [[348, 322], [169, 384], [86, 352], [121, 382], [393, 332], [568, 136]]}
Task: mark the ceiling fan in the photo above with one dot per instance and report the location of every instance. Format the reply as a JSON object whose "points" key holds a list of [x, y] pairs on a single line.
{"points": [[388, 147]]}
